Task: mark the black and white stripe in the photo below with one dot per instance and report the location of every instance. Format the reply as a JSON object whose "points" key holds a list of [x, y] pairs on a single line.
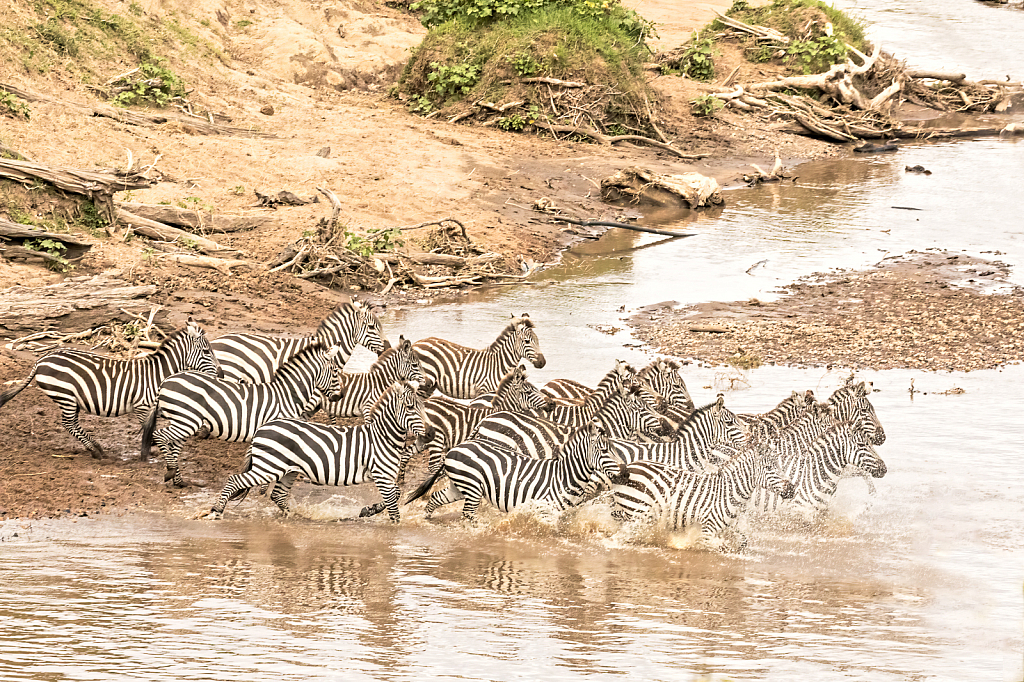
{"points": [[677, 499], [696, 442], [233, 411], [480, 470], [330, 455], [360, 390], [108, 387], [461, 372], [454, 422], [254, 358], [771, 424], [571, 391], [816, 467]]}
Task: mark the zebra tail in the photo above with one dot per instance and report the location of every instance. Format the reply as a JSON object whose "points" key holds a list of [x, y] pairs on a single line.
{"points": [[10, 393], [148, 427], [425, 486]]}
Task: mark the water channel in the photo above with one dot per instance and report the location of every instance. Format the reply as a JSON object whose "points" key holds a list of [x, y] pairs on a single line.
{"points": [[922, 581]]}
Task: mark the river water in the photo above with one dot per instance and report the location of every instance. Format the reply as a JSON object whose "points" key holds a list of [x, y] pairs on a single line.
{"points": [[921, 581]]}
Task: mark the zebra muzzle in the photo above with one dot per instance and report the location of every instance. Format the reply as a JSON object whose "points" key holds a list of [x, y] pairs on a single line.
{"points": [[788, 490], [539, 361]]}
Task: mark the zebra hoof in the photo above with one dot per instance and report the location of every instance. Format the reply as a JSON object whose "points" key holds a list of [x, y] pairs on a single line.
{"points": [[371, 510], [203, 433]]}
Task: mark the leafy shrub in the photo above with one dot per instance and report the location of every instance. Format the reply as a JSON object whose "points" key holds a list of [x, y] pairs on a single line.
{"points": [[156, 84], [819, 54], [697, 61], [14, 105], [524, 64], [454, 79], [53, 248], [706, 105]]}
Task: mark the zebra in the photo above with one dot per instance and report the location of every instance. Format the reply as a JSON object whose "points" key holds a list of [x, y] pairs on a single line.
{"points": [[696, 442], [479, 470], [570, 391], [815, 469], [254, 358], [850, 403], [233, 411], [330, 455], [361, 390], [105, 386], [620, 416], [662, 376], [788, 411], [460, 372], [678, 498], [454, 422]]}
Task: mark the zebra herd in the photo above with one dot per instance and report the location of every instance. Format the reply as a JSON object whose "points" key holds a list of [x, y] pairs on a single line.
{"points": [[492, 434]]}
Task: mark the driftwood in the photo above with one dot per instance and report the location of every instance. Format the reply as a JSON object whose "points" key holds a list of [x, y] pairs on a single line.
{"points": [[74, 247], [189, 123], [76, 303], [99, 187], [195, 219], [223, 265], [443, 259], [554, 81], [155, 230], [636, 184], [612, 139], [626, 226]]}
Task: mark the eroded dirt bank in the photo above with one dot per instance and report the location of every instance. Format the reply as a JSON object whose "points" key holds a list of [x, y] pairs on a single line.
{"points": [[923, 310]]}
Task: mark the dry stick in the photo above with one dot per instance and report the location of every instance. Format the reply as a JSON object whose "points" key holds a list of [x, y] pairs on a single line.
{"points": [[609, 140], [627, 226], [554, 81], [436, 222]]}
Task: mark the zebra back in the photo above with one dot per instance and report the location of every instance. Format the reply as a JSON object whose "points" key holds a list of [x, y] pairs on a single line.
{"points": [[484, 470], [255, 358], [770, 424], [850, 403], [360, 390], [526, 435], [461, 372]]}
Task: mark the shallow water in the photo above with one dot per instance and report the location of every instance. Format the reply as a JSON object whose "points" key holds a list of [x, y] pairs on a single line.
{"points": [[922, 581]]}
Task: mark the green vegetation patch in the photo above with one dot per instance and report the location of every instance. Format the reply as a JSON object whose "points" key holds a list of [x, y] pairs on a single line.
{"points": [[818, 33], [482, 50]]}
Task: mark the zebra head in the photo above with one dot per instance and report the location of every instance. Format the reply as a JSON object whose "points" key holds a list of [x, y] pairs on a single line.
{"points": [[663, 376], [636, 414], [411, 414], [516, 394], [327, 376], [725, 427], [851, 404], [526, 342], [350, 325], [198, 354], [767, 474], [591, 441], [863, 456], [407, 363]]}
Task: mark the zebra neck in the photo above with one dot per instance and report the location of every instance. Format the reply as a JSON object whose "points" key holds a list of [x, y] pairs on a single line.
{"points": [[163, 363], [384, 429]]}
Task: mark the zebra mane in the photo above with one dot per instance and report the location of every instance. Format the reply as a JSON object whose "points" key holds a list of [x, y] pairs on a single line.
{"points": [[171, 338], [342, 311], [510, 328], [506, 381], [653, 367], [315, 344], [383, 359], [384, 398], [698, 411]]}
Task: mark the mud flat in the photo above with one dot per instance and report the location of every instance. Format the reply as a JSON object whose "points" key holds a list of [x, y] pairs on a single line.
{"points": [[933, 310]]}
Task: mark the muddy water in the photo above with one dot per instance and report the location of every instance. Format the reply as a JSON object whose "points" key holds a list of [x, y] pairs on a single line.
{"points": [[923, 580]]}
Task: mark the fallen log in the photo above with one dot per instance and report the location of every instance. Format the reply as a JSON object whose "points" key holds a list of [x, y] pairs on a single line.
{"points": [[99, 187], [74, 247], [76, 303], [222, 265], [639, 184], [195, 219], [625, 226], [612, 139], [155, 230], [444, 259]]}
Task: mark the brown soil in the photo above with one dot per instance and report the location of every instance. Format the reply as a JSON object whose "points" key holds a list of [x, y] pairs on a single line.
{"points": [[323, 73], [919, 311]]}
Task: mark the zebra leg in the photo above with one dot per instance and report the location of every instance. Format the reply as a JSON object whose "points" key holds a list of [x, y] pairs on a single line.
{"points": [[441, 498], [283, 490], [69, 420], [238, 485], [170, 439]]}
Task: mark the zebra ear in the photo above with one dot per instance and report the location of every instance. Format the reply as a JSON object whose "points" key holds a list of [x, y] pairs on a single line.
{"points": [[721, 400], [403, 343], [332, 352], [860, 389], [192, 327]]}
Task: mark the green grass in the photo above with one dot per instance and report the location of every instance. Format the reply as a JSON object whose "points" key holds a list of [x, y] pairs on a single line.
{"points": [[468, 58]]}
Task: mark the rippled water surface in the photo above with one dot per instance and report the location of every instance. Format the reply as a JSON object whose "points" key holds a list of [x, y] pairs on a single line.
{"points": [[921, 581]]}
